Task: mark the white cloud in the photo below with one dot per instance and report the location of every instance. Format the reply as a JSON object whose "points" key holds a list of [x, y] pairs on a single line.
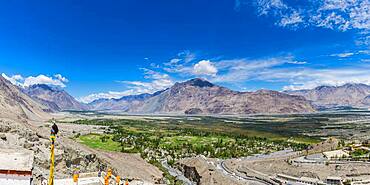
{"points": [[15, 79], [341, 15], [293, 20], [18, 80], [366, 52], [157, 81], [343, 55], [273, 70], [349, 54], [333, 14], [239, 70], [311, 78], [264, 7], [205, 67], [297, 62], [42, 79], [106, 95], [184, 57], [180, 64], [174, 61], [61, 78], [187, 56]]}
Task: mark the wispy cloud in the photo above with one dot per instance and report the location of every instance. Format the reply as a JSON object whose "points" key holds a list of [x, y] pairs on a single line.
{"points": [[311, 78], [265, 7], [159, 81], [294, 19], [57, 80], [296, 74], [241, 70], [61, 78], [105, 95], [183, 57], [349, 54], [332, 14], [342, 55], [297, 62], [186, 65], [181, 63], [274, 70], [156, 81]]}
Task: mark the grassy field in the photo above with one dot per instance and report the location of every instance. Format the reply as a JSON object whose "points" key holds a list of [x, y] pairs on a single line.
{"points": [[292, 129], [96, 141], [194, 140], [172, 138], [184, 137]]}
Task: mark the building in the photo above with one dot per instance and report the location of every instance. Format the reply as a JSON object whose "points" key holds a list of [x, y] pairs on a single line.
{"points": [[363, 182], [16, 166], [335, 154], [81, 181], [334, 180], [290, 180]]}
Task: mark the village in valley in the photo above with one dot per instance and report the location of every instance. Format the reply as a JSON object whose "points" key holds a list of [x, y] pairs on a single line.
{"points": [[185, 92]]}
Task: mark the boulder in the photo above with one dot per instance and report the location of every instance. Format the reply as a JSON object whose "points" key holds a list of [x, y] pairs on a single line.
{"points": [[3, 136]]}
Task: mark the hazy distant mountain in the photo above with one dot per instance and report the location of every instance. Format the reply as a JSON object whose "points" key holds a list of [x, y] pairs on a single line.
{"points": [[353, 95], [200, 96], [16, 105], [123, 103], [54, 98], [366, 101]]}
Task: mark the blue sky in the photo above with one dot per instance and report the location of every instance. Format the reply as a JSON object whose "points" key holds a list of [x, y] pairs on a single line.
{"points": [[107, 49]]}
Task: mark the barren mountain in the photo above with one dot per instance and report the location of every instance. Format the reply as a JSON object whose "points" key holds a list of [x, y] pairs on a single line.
{"points": [[16, 105], [123, 103], [354, 95], [366, 101], [54, 98], [200, 96]]}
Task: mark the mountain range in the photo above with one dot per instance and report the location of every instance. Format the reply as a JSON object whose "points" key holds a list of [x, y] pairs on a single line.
{"points": [[350, 95], [123, 103], [55, 98], [16, 105], [195, 96], [198, 96], [202, 97]]}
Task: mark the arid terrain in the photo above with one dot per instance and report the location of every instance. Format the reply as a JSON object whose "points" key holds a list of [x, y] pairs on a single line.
{"points": [[69, 154], [191, 148]]}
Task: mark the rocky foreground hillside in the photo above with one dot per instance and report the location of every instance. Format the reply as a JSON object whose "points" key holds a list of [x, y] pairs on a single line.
{"points": [[54, 98], [202, 97], [14, 104], [23, 126], [353, 95]]}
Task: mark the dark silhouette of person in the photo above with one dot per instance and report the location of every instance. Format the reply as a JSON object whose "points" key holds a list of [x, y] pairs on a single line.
{"points": [[54, 132], [54, 129]]}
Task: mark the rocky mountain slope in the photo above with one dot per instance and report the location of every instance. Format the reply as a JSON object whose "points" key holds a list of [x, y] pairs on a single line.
{"points": [[366, 101], [200, 96], [16, 105], [123, 103], [353, 95], [54, 98]]}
